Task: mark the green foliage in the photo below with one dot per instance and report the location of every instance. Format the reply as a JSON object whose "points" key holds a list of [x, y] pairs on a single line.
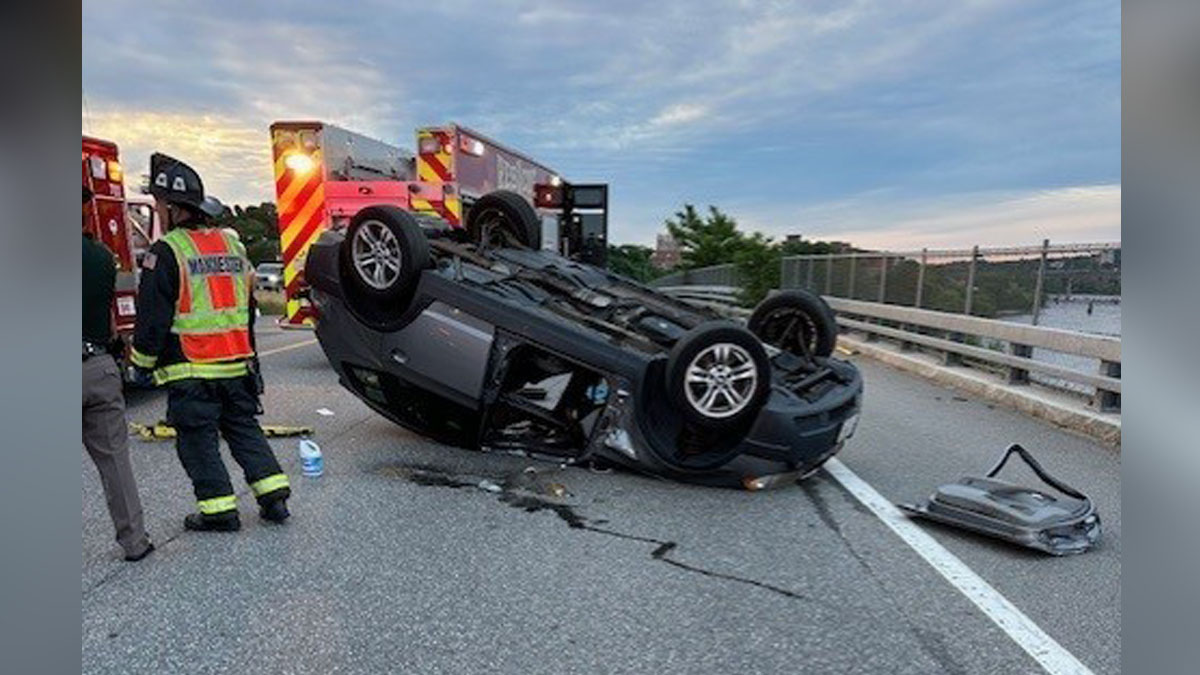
{"points": [[258, 227], [633, 261], [716, 240], [757, 262], [703, 242], [800, 246]]}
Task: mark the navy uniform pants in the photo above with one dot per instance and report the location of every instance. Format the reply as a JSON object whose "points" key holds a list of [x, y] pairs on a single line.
{"points": [[203, 411]]}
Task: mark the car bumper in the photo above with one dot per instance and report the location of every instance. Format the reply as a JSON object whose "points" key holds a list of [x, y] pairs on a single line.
{"points": [[790, 439]]}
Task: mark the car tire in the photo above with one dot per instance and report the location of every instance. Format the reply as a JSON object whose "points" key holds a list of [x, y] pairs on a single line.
{"points": [[384, 253], [718, 376], [504, 219], [797, 322]]}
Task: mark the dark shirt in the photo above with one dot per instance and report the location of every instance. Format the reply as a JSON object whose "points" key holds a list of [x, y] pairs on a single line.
{"points": [[157, 293], [99, 276]]}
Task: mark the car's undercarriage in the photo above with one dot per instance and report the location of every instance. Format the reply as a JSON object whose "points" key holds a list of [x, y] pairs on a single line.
{"points": [[502, 346]]}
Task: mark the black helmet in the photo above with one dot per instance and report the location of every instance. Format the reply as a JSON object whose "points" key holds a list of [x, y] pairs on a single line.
{"points": [[212, 207], [175, 182]]}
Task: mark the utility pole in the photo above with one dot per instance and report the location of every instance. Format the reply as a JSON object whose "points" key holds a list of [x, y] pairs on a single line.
{"points": [[1041, 277], [971, 279]]}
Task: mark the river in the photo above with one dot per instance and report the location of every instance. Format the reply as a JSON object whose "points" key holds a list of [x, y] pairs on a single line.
{"points": [[1104, 319]]}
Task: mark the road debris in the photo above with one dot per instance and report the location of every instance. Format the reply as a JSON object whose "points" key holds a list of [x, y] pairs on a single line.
{"points": [[1056, 524], [282, 431], [311, 459], [325, 412], [161, 431]]}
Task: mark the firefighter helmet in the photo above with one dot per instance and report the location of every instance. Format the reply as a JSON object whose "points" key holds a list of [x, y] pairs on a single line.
{"points": [[175, 182], [212, 207]]}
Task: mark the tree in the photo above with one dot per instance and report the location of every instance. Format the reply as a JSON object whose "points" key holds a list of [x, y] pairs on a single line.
{"points": [[258, 227], [633, 261], [800, 246], [757, 261], [703, 242]]}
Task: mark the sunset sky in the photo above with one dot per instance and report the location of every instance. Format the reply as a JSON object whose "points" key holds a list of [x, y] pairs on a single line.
{"points": [[885, 123]]}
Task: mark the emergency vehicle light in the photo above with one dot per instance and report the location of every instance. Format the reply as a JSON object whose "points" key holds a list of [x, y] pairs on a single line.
{"points": [[547, 196], [471, 146], [299, 162], [114, 171], [429, 145]]}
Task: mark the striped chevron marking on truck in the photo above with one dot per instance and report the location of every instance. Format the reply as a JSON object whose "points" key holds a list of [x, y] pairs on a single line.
{"points": [[437, 167], [448, 210], [300, 203], [434, 167]]}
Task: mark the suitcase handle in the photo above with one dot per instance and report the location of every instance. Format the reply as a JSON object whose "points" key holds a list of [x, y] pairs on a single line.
{"points": [[1053, 482]]}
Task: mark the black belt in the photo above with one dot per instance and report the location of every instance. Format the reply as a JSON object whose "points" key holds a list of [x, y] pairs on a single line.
{"points": [[91, 349]]}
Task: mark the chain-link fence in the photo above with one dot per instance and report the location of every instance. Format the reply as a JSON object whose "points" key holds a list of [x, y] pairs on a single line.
{"points": [[988, 282], [1010, 283]]}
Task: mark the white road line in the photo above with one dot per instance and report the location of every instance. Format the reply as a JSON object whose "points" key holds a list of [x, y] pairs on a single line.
{"points": [[1028, 635], [287, 347]]}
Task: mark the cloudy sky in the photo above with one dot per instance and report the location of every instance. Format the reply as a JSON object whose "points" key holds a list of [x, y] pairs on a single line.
{"points": [[883, 122]]}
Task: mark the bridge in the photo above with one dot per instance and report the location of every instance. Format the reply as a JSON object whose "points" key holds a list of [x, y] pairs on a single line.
{"points": [[409, 556]]}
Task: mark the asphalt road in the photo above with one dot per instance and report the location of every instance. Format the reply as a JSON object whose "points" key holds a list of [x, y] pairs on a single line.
{"points": [[395, 562]]}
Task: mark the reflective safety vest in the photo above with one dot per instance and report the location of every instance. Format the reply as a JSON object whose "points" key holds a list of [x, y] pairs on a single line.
{"points": [[212, 312]]}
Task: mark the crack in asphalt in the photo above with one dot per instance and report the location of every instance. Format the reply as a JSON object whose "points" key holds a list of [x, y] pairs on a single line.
{"points": [[531, 503], [931, 642]]}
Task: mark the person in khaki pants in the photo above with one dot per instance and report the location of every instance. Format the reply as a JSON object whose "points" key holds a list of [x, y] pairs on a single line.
{"points": [[105, 434]]}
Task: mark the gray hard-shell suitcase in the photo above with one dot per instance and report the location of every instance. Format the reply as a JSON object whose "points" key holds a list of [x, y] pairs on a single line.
{"points": [[1057, 524]]}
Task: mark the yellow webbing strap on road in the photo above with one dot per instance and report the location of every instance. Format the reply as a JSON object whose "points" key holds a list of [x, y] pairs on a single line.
{"points": [[161, 431]]}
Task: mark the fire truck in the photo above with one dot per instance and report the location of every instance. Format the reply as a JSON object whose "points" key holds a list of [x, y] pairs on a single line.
{"points": [[105, 218], [325, 174]]}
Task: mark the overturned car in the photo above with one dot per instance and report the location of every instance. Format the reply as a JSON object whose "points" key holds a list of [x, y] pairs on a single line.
{"points": [[476, 337]]}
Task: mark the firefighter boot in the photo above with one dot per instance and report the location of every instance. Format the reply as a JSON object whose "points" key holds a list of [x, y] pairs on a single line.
{"points": [[273, 506], [227, 521]]}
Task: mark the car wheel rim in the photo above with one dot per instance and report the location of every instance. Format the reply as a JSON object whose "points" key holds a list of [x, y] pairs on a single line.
{"points": [[376, 255], [721, 380]]}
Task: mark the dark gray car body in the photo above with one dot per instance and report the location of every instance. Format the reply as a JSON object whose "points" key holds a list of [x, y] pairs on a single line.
{"points": [[440, 367]]}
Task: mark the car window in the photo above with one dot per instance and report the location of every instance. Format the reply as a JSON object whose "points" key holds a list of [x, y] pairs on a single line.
{"points": [[269, 268]]}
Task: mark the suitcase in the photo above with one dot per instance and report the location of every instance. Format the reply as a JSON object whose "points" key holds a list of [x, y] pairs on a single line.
{"points": [[1058, 524]]}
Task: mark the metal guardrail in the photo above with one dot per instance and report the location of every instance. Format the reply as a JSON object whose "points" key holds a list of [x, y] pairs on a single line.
{"points": [[717, 275], [953, 334]]}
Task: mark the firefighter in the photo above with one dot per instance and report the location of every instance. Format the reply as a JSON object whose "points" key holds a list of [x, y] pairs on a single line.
{"points": [[195, 335], [105, 434]]}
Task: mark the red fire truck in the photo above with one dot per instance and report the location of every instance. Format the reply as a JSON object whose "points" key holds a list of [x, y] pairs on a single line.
{"points": [[325, 174], [105, 218]]}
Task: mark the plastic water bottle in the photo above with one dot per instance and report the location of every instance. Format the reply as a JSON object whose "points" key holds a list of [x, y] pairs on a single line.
{"points": [[311, 459]]}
